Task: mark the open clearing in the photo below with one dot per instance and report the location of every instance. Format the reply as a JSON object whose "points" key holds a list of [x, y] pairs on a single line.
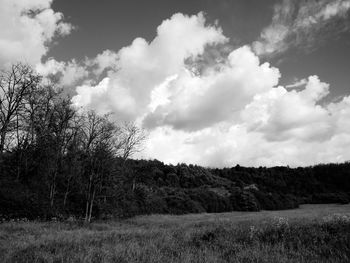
{"points": [[312, 233]]}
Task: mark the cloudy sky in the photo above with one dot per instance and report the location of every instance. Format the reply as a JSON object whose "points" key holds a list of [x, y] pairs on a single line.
{"points": [[214, 82]]}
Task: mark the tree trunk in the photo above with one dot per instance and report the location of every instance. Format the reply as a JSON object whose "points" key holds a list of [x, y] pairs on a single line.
{"points": [[18, 169], [88, 199], [66, 193], [91, 204], [65, 197], [2, 141], [53, 180], [87, 210], [53, 189], [133, 184]]}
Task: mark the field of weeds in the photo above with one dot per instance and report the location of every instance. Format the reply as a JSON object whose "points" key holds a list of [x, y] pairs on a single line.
{"points": [[313, 233]]}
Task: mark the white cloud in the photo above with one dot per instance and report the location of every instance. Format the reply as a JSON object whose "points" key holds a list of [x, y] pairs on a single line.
{"points": [[277, 127], [223, 114], [300, 23], [219, 94], [69, 73], [281, 115], [108, 59], [66, 73], [27, 26], [341, 115], [227, 146], [143, 65]]}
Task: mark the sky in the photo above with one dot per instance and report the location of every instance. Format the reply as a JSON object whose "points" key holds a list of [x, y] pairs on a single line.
{"points": [[215, 83]]}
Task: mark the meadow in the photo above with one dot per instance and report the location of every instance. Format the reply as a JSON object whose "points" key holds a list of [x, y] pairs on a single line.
{"points": [[311, 233]]}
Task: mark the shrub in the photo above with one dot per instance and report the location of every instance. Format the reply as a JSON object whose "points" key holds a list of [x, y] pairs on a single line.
{"points": [[244, 201]]}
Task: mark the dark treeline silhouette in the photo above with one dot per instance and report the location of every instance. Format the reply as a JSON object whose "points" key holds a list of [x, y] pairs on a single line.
{"points": [[57, 161]]}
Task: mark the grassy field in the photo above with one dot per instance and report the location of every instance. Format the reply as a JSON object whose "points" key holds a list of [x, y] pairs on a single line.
{"points": [[313, 233]]}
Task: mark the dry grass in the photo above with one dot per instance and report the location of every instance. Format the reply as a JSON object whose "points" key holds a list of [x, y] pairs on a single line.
{"points": [[314, 233]]}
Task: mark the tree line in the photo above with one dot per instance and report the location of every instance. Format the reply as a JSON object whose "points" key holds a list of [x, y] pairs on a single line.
{"points": [[48, 145], [57, 161]]}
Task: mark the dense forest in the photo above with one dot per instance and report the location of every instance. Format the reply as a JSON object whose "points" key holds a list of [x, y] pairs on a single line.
{"points": [[60, 162]]}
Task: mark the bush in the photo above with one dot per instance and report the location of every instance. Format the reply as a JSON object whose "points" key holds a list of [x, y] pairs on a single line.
{"points": [[181, 203], [244, 201], [210, 201]]}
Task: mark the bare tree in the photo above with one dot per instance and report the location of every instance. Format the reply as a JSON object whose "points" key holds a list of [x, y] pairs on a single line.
{"points": [[63, 130], [103, 140], [73, 162], [99, 137], [15, 84], [132, 140]]}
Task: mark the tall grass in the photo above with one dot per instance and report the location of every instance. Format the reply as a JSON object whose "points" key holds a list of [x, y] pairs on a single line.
{"points": [[230, 237]]}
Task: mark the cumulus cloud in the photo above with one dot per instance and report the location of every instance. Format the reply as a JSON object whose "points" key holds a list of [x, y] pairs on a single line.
{"points": [[65, 73], [221, 146], [229, 112], [219, 93], [107, 60], [281, 115], [73, 72], [300, 23], [278, 127], [143, 65], [27, 26]]}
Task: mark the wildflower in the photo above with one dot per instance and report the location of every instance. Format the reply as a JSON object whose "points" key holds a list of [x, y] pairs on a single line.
{"points": [[337, 218], [280, 222], [252, 232]]}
